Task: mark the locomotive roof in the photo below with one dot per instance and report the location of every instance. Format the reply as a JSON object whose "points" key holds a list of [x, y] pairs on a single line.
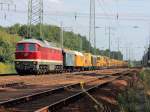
{"points": [[41, 43]]}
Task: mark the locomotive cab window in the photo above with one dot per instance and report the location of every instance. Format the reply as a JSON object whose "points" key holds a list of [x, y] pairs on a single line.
{"points": [[20, 47], [32, 47]]}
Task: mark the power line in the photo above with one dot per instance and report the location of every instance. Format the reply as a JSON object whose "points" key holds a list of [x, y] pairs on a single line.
{"points": [[105, 13], [124, 17]]}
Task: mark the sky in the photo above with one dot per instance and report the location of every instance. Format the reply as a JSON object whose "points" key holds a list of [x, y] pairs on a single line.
{"points": [[131, 29]]}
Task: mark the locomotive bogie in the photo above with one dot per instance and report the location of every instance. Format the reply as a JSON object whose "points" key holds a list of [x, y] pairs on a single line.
{"points": [[37, 67]]}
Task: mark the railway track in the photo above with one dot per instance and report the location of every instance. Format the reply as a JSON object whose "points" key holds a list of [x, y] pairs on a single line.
{"points": [[9, 74], [51, 100], [75, 72], [12, 84]]}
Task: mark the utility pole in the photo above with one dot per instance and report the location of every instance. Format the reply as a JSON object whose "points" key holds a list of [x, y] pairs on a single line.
{"points": [[62, 28], [92, 33], [90, 25], [79, 38], [81, 48], [109, 46], [129, 56], [35, 16], [127, 53], [118, 48], [149, 39], [62, 35], [109, 42]]}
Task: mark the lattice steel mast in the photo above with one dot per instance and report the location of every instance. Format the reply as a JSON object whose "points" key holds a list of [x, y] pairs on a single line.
{"points": [[92, 38], [35, 15], [5, 5]]}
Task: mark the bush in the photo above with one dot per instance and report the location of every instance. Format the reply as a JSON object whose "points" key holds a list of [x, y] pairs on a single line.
{"points": [[7, 46], [6, 68]]}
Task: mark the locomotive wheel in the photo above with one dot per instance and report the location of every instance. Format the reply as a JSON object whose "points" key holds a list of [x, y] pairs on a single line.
{"points": [[37, 72], [41, 70], [21, 73], [47, 69]]}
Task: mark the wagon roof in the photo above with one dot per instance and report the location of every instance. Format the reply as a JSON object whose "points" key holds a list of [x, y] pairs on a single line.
{"points": [[78, 53], [69, 51], [94, 55], [99, 56]]}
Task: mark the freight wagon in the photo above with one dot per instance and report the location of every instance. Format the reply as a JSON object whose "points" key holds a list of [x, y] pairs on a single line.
{"points": [[79, 61], [87, 61], [94, 62], [69, 60]]}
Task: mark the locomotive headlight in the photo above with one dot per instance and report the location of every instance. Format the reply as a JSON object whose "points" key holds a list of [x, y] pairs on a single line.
{"points": [[17, 62], [34, 62]]}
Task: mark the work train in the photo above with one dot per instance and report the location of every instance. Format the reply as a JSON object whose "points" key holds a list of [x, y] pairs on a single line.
{"points": [[40, 57]]}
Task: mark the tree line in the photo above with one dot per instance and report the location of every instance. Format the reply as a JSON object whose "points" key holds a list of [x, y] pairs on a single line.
{"points": [[10, 35]]}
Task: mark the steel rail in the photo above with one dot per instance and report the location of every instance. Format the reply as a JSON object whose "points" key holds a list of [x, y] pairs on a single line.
{"points": [[60, 103], [66, 101], [24, 99], [75, 72], [11, 84]]}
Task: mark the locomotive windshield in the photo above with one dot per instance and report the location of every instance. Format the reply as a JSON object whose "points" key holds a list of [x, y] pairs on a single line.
{"points": [[26, 47], [32, 47], [20, 47]]}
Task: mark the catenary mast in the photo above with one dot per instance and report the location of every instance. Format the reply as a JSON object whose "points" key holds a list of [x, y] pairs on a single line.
{"points": [[92, 38], [35, 15]]}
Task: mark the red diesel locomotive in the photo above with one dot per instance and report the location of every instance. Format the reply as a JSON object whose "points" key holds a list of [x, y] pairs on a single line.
{"points": [[35, 56]]}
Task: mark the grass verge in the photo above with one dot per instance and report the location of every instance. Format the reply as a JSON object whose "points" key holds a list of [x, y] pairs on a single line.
{"points": [[136, 98], [7, 68]]}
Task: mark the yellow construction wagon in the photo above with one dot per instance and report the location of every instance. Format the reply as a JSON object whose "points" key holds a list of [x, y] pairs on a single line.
{"points": [[87, 60], [79, 59]]}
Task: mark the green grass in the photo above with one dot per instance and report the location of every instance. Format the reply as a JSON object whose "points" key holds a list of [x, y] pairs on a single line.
{"points": [[127, 100], [136, 97], [145, 77], [6, 68]]}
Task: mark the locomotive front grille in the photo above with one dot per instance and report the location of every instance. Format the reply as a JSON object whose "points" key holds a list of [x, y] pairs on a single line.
{"points": [[25, 65]]}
